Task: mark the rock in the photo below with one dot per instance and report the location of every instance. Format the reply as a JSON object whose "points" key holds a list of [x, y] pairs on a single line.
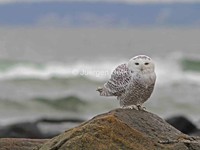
{"points": [[196, 133], [23, 130], [123, 129], [20, 144], [53, 120], [182, 124], [35, 129]]}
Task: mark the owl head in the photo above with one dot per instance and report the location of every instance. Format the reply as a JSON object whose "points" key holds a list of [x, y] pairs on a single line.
{"points": [[141, 63]]}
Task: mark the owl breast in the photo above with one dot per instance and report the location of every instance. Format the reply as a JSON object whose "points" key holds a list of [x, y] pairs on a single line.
{"points": [[138, 91]]}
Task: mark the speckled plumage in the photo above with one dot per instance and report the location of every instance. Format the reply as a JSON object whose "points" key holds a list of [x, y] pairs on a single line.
{"points": [[132, 82]]}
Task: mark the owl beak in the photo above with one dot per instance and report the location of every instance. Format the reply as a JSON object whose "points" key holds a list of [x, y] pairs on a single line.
{"points": [[142, 68]]}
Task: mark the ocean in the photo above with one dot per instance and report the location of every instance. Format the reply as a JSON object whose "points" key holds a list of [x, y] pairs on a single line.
{"points": [[54, 72]]}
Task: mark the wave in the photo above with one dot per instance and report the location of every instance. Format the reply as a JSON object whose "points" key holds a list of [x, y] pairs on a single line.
{"points": [[168, 70], [172, 70], [191, 64], [67, 103], [72, 103], [28, 70]]}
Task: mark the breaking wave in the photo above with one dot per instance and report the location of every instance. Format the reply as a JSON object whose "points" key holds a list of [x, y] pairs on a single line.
{"points": [[168, 70], [28, 70]]}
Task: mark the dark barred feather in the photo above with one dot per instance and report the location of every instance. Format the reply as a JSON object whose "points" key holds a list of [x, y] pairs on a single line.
{"points": [[118, 82]]}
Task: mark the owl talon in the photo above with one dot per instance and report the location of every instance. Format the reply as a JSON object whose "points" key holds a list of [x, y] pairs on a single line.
{"points": [[99, 89], [141, 107], [130, 107]]}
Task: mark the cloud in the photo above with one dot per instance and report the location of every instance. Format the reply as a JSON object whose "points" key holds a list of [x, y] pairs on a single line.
{"points": [[121, 1]]}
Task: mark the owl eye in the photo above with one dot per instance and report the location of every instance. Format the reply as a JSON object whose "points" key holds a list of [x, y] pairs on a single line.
{"points": [[136, 63], [146, 63]]}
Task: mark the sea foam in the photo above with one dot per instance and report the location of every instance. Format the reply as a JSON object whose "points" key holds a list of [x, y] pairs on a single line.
{"points": [[168, 70]]}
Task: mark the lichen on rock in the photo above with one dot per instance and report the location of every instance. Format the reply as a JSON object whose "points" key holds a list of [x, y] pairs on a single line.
{"points": [[123, 129]]}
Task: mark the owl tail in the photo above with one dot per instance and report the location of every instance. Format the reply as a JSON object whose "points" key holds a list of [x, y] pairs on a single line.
{"points": [[103, 91]]}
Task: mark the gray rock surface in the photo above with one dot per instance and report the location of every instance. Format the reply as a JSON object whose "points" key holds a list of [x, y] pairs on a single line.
{"points": [[123, 129]]}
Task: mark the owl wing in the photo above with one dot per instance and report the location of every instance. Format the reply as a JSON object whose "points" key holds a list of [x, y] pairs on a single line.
{"points": [[118, 82]]}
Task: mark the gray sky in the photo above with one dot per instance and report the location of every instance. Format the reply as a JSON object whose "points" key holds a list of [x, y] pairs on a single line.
{"points": [[122, 1]]}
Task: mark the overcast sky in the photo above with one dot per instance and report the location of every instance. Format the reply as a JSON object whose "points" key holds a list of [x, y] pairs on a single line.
{"points": [[122, 1]]}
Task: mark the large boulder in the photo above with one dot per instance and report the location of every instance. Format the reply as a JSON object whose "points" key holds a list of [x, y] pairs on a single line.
{"points": [[123, 129]]}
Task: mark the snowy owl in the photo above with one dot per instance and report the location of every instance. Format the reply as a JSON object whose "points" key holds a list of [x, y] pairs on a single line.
{"points": [[132, 82]]}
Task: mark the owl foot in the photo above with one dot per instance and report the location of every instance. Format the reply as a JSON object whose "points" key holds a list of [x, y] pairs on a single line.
{"points": [[141, 107], [130, 107], [168, 141]]}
